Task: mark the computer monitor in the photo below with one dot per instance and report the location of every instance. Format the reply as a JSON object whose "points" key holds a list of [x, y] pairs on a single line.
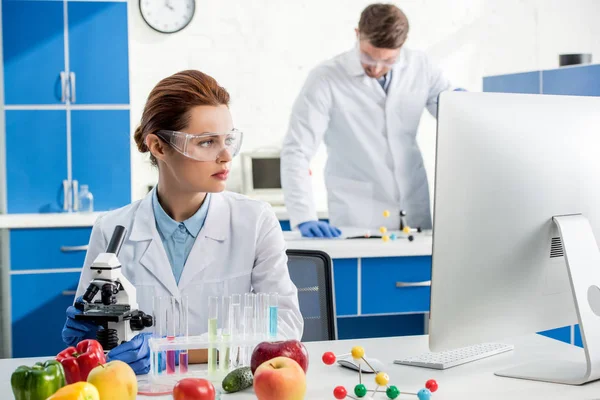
{"points": [[261, 176], [516, 224]]}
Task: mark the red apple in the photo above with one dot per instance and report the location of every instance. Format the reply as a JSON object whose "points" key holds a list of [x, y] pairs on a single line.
{"points": [[266, 351], [280, 378]]}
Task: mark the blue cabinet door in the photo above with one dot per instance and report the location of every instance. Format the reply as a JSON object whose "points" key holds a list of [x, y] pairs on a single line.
{"points": [[36, 160], [98, 52], [38, 304], [574, 81], [33, 51], [100, 155]]}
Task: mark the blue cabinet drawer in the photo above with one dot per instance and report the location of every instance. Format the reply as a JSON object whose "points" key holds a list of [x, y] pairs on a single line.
{"points": [[43, 249], [345, 282], [380, 278], [38, 306]]}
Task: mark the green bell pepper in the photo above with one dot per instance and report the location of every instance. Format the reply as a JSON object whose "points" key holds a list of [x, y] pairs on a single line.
{"points": [[38, 382]]}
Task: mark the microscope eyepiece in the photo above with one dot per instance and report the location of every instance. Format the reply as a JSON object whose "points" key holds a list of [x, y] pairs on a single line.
{"points": [[90, 293]]}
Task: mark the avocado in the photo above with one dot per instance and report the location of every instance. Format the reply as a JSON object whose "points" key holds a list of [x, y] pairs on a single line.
{"points": [[238, 379]]}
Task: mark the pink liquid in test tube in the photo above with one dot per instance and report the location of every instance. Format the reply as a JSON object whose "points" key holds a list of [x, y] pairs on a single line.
{"points": [[183, 362], [170, 358]]}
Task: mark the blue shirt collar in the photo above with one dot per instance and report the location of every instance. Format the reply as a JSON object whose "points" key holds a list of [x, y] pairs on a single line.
{"points": [[167, 225]]}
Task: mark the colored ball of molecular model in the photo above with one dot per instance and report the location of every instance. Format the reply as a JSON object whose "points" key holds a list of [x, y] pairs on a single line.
{"points": [[382, 379], [360, 390]]}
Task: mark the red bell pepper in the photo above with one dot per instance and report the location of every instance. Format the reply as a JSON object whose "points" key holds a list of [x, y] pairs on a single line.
{"points": [[80, 360]]}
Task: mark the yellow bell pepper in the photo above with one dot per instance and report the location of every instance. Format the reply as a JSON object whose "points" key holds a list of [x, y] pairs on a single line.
{"points": [[77, 391]]}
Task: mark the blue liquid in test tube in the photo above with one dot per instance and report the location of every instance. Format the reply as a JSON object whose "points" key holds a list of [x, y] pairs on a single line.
{"points": [[273, 308]]}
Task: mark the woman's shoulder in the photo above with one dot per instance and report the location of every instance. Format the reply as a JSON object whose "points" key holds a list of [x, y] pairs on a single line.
{"points": [[241, 204]]}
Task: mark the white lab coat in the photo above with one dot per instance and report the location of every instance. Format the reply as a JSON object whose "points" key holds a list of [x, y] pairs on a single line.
{"points": [[240, 248], [374, 162]]}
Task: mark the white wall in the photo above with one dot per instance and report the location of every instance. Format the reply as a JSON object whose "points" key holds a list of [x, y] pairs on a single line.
{"points": [[262, 50]]}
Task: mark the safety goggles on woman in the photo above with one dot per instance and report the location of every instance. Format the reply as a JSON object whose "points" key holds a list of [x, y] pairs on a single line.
{"points": [[205, 146]]}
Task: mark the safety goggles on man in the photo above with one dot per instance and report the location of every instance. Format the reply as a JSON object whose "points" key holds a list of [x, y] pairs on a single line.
{"points": [[368, 60], [205, 146]]}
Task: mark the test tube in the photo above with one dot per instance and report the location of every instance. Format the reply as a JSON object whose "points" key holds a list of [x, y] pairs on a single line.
{"points": [[249, 306], [235, 317], [213, 318], [273, 309], [159, 311], [183, 332], [224, 352], [262, 320], [171, 333]]}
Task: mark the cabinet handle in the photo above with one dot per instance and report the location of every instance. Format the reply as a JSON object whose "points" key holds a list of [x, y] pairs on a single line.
{"points": [[412, 284], [63, 86], [69, 293], [71, 249], [72, 81]]}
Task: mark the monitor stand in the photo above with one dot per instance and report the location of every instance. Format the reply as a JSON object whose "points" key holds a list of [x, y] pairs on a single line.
{"points": [[583, 264]]}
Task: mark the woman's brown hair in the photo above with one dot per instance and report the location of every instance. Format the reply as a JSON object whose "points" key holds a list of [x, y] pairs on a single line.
{"points": [[169, 104]]}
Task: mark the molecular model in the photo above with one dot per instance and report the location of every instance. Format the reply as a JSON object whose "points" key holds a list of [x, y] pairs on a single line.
{"points": [[403, 227], [381, 379]]}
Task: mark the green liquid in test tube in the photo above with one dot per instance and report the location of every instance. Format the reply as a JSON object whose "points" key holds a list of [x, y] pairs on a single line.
{"points": [[224, 351], [213, 318], [273, 310]]}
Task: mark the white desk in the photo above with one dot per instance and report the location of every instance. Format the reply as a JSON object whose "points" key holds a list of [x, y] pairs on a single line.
{"points": [[362, 248], [473, 381]]}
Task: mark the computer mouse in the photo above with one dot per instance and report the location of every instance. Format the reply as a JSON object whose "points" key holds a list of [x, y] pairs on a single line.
{"points": [[351, 364]]}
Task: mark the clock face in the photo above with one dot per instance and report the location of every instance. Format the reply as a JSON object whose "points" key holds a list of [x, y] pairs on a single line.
{"points": [[167, 16]]}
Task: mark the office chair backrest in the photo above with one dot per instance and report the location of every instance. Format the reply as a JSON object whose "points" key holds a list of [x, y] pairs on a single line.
{"points": [[310, 271]]}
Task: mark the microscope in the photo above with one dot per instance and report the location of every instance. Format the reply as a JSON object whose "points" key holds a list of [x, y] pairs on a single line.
{"points": [[110, 299]]}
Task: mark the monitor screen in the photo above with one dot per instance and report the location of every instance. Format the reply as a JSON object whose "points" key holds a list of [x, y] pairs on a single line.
{"points": [[265, 173]]}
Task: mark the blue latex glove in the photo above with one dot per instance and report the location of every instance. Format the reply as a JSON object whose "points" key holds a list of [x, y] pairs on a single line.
{"points": [[136, 353], [318, 229], [75, 331]]}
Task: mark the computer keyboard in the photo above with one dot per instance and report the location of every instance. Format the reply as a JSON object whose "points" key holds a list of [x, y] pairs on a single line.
{"points": [[452, 358]]}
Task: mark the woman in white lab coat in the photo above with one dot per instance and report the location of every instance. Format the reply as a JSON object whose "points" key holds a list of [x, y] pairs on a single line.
{"points": [[188, 237]]}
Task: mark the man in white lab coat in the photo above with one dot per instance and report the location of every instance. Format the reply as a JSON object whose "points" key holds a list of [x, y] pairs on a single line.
{"points": [[366, 105]]}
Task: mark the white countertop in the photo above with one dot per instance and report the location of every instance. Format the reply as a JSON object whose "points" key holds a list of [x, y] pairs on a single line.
{"points": [[474, 380], [48, 220], [78, 219], [362, 248]]}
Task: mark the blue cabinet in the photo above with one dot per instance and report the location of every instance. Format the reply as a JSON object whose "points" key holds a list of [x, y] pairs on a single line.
{"points": [[98, 53], [33, 51], [526, 82], [38, 309], [45, 268], [575, 81], [72, 55], [36, 160], [369, 303], [100, 155]]}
